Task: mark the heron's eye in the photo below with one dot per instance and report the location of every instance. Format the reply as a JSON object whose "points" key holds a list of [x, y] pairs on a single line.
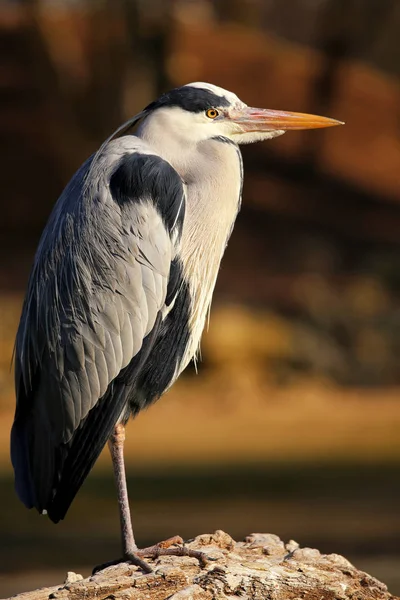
{"points": [[212, 113]]}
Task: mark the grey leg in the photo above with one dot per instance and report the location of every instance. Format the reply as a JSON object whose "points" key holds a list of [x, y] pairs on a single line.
{"points": [[116, 446], [129, 548]]}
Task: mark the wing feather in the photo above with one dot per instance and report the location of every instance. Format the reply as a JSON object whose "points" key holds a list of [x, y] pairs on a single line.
{"points": [[96, 293]]}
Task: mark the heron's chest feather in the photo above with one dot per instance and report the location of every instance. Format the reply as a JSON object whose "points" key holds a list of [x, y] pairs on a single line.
{"points": [[213, 201]]}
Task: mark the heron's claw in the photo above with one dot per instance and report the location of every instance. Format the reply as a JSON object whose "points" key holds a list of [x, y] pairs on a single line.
{"points": [[129, 558], [103, 566], [173, 546]]}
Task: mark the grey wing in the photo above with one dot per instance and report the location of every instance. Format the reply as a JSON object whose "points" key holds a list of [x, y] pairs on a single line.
{"points": [[91, 315]]}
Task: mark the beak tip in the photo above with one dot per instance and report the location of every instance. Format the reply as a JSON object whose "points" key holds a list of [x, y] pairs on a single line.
{"points": [[321, 122]]}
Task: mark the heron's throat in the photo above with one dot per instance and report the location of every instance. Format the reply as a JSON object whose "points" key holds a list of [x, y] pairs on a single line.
{"points": [[213, 192], [174, 146]]}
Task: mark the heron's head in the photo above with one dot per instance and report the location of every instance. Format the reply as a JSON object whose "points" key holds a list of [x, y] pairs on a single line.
{"points": [[200, 111]]}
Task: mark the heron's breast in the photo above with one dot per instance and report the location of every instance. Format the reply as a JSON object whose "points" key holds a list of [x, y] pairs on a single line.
{"points": [[212, 206]]}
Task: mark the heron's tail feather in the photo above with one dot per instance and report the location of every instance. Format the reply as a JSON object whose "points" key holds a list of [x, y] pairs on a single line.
{"points": [[20, 461], [32, 455], [78, 458], [48, 472]]}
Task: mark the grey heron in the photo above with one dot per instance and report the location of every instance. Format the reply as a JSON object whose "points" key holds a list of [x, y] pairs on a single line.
{"points": [[121, 286]]}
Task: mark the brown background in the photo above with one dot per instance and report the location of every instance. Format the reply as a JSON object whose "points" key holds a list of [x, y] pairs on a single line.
{"points": [[291, 425]]}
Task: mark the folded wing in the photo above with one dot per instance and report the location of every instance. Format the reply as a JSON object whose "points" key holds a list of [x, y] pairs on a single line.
{"points": [[92, 313]]}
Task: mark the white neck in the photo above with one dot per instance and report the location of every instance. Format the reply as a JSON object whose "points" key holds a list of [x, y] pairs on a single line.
{"points": [[173, 145]]}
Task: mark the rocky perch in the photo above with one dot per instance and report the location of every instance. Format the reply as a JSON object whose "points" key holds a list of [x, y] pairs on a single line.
{"points": [[262, 567]]}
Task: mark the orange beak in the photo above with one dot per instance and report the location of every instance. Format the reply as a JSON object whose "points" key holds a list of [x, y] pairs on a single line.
{"points": [[259, 119]]}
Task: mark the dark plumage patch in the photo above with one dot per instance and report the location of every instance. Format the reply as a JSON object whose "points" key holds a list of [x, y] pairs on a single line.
{"points": [[174, 281], [188, 98], [224, 140], [141, 177], [169, 348]]}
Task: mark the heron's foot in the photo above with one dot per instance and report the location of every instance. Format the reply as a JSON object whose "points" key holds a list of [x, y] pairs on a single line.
{"points": [[173, 546]]}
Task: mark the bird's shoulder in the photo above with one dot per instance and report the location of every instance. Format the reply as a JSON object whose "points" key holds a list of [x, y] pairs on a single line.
{"points": [[141, 174], [130, 153]]}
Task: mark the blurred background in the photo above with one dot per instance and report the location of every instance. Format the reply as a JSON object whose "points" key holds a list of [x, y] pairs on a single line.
{"points": [[292, 424]]}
